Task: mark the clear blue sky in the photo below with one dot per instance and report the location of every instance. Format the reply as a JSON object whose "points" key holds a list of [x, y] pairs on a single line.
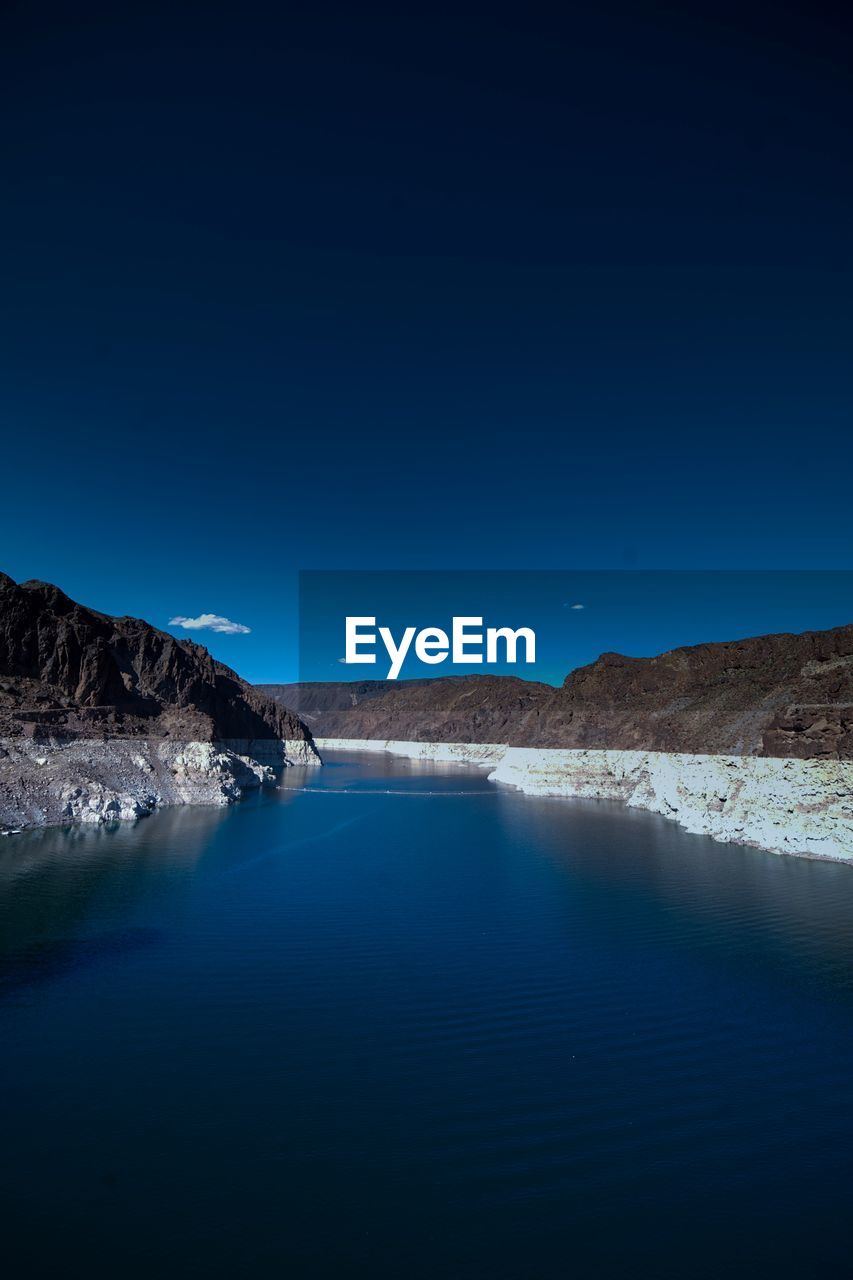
{"points": [[395, 288]]}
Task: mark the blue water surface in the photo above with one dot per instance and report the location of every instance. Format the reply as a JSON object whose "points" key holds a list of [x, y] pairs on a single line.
{"points": [[395, 1021]]}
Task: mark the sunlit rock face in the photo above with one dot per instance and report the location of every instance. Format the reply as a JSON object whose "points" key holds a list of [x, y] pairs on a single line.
{"points": [[482, 753], [103, 780], [784, 805]]}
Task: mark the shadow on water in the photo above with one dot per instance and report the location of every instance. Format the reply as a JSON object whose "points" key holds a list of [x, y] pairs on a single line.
{"points": [[57, 957], [74, 897], [741, 905]]}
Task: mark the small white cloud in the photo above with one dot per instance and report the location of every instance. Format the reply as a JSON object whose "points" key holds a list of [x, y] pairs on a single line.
{"points": [[573, 606], [210, 622]]}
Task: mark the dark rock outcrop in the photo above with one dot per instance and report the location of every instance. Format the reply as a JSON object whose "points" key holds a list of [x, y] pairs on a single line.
{"points": [[777, 695], [68, 671]]}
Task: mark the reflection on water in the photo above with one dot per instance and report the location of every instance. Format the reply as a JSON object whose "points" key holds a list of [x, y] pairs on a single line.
{"points": [[751, 906], [52, 880], [394, 1021]]}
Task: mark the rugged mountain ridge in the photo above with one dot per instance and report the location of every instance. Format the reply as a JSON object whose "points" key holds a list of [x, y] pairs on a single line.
{"points": [[68, 671], [445, 709], [779, 695]]}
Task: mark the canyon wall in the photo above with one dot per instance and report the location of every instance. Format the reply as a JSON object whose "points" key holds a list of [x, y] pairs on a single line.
{"points": [[776, 695]]}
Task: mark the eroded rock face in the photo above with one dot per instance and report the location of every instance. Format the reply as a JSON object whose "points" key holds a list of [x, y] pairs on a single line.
{"points": [[67, 669], [801, 807], [778, 695], [101, 780]]}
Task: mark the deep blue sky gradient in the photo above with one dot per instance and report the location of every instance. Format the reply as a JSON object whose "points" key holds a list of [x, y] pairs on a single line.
{"points": [[419, 288]]}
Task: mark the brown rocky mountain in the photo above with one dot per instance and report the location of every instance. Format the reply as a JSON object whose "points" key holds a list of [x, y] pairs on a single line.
{"points": [[777, 695], [449, 709], [68, 671]]}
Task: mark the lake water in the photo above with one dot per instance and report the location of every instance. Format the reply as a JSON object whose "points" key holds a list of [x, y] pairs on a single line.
{"points": [[395, 1021]]}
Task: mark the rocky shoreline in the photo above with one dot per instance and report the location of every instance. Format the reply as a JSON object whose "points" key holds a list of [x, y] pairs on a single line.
{"points": [[97, 780], [783, 805]]}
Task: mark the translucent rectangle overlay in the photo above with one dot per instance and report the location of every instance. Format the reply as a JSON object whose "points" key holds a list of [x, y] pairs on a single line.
{"points": [[575, 616]]}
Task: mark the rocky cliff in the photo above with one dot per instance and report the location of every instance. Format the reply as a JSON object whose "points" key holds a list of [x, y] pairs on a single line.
{"points": [[69, 670], [104, 717], [777, 695]]}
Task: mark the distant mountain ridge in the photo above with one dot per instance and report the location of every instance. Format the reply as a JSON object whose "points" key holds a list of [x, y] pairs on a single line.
{"points": [[777, 695], [444, 709], [70, 671]]}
